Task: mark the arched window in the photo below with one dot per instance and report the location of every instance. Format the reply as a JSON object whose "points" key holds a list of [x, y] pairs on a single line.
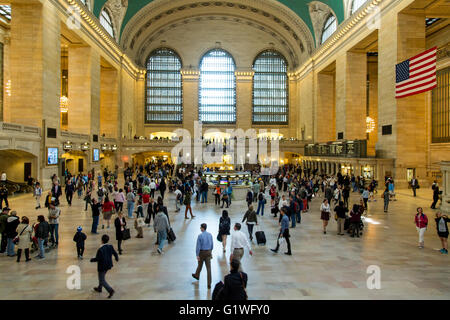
{"points": [[106, 22], [5, 11], [329, 28], [356, 4], [270, 88], [164, 96], [217, 92]]}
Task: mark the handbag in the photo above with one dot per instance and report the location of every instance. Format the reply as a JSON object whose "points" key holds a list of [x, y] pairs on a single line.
{"points": [[219, 237], [126, 234], [16, 239], [140, 222]]}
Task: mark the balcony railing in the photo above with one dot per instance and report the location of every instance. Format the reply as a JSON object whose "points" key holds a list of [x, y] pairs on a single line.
{"points": [[13, 127]]}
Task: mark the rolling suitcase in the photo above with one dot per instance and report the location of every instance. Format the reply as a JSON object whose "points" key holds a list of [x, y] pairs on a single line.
{"points": [[260, 237]]}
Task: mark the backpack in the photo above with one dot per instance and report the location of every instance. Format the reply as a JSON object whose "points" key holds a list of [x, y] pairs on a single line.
{"points": [[260, 197], [100, 192]]}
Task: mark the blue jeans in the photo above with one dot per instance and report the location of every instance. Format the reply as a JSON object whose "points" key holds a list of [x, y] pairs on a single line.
{"points": [[94, 224], [292, 217], [204, 196], [260, 206], [41, 247], [54, 235], [10, 247], [162, 236], [299, 216], [130, 207]]}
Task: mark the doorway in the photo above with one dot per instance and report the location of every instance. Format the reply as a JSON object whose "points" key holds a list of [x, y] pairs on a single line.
{"points": [[26, 170], [410, 173], [80, 165]]}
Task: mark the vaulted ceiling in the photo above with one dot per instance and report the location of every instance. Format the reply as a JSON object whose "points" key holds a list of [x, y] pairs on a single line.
{"points": [[299, 7]]}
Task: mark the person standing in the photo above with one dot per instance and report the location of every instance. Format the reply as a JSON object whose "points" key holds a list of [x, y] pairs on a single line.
{"points": [[119, 199], [162, 187], [341, 213], [3, 220], [238, 243], [249, 197], [421, 221], [178, 196], [386, 198], [53, 219], [37, 195], [119, 224], [187, 202], [365, 196], [161, 225], [95, 207], [41, 234], [4, 196], [442, 230], [284, 232], [130, 202], [104, 263], [203, 251], [355, 219], [325, 214], [11, 226], [224, 228], [261, 203], [414, 185], [217, 195], [252, 220], [24, 231]]}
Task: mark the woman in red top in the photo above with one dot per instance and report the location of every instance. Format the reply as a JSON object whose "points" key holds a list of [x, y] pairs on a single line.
{"points": [[421, 221], [107, 209]]}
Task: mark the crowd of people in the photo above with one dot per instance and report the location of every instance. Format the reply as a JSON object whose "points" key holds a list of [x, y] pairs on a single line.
{"points": [[292, 192]]}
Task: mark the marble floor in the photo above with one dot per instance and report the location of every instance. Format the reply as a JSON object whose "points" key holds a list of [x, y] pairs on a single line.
{"points": [[321, 267]]}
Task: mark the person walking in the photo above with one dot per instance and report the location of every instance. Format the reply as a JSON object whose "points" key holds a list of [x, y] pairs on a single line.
{"points": [[79, 238], [119, 199], [107, 209], [435, 196], [42, 232], [355, 220], [11, 226], [217, 195], [104, 263], [69, 190], [284, 232], [4, 195], [162, 187], [235, 283], [178, 196], [238, 243], [325, 214], [37, 193], [161, 226], [224, 228], [24, 231], [414, 185], [203, 251], [386, 199], [252, 220], [421, 221], [365, 197], [120, 224], [341, 213], [442, 230], [187, 202]]}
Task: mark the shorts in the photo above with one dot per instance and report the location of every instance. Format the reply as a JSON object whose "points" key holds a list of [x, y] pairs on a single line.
{"points": [[443, 234], [107, 215]]}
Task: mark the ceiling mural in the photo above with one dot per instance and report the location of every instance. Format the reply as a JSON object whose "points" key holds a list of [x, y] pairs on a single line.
{"points": [[299, 7]]}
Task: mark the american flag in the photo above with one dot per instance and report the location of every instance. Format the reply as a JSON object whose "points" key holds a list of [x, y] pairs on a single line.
{"points": [[416, 75]]}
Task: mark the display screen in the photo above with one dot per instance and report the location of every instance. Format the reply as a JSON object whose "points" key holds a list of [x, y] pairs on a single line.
{"points": [[96, 155], [52, 156], [223, 182]]}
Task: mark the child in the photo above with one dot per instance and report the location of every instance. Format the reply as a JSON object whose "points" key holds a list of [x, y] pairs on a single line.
{"points": [[79, 238], [37, 195]]}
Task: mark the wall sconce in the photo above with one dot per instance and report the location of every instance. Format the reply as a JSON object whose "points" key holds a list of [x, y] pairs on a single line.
{"points": [[104, 147], [67, 146], [114, 147], [85, 146]]}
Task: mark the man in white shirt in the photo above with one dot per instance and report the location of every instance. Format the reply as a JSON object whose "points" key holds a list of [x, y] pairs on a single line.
{"points": [[238, 242], [178, 195], [273, 181], [152, 188]]}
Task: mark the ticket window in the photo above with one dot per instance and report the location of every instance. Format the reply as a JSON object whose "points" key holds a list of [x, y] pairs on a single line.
{"points": [[410, 173]]}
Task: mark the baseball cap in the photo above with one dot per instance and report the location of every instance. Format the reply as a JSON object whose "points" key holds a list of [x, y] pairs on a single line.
{"points": [[6, 209], [79, 228]]}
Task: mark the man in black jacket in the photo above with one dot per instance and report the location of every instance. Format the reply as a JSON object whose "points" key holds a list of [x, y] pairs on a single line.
{"points": [[69, 192], [56, 192], [104, 263], [235, 283], [11, 225]]}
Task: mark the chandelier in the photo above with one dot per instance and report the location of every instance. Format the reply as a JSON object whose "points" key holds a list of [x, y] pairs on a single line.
{"points": [[64, 104], [370, 125]]}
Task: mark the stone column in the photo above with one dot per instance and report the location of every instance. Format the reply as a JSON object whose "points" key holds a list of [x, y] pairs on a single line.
{"points": [[140, 105], [109, 106], [35, 59], [445, 170], [325, 116], [190, 99], [84, 90], [244, 89], [351, 77]]}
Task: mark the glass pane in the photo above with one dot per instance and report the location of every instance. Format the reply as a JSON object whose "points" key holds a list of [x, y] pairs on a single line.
{"points": [[5, 10], [356, 4], [217, 88], [164, 101], [270, 89], [329, 28], [440, 108], [105, 21]]}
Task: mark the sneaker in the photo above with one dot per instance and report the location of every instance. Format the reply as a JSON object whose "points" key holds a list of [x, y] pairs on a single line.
{"points": [[288, 253], [446, 251], [273, 250], [97, 289], [159, 250], [442, 250]]}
